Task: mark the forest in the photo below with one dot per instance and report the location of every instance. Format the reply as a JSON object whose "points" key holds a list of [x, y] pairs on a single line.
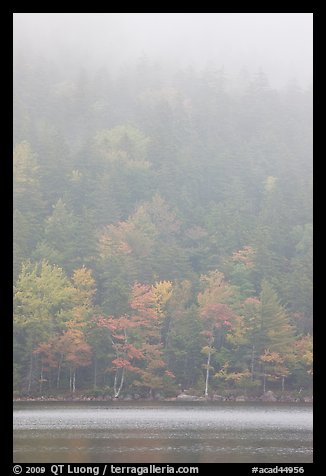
{"points": [[162, 232]]}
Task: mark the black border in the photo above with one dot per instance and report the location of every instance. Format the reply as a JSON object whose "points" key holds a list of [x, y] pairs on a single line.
{"points": [[6, 393]]}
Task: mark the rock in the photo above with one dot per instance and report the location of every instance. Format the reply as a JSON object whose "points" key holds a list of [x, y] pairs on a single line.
{"points": [[229, 398], [268, 397], [217, 398], [240, 398], [188, 398], [159, 396], [287, 398], [308, 399]]}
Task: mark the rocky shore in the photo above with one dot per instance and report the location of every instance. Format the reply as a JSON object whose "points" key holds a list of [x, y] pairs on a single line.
{"points": [[268, 396]]}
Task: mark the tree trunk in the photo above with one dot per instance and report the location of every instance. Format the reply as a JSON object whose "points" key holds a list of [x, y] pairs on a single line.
{"points": [[283, 379], [30, 373], [252, 362], [207, 372], [59, 371], [117, 391], [264, 383], [50, 378], [41, 378], [70, 380], [115, 383], [95, 373], [74, 381]]}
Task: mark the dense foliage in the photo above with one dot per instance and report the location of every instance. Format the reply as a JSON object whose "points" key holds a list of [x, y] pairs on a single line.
{"points": [[162, 232]]}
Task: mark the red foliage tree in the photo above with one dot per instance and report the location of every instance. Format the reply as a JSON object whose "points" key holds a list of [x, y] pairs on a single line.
{"points": [[136, 340]]}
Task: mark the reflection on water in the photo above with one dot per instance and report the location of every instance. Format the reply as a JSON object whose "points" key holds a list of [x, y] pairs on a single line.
{"points": [[167, 432]]}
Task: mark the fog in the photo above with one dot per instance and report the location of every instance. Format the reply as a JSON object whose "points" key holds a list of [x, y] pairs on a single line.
{"points": [[280, 44], [162, 222]]}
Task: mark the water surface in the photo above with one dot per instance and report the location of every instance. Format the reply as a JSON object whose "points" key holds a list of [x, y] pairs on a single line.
{"points": [[161, 432]]}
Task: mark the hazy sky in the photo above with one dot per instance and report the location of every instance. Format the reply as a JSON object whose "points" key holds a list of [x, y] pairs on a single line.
{"points": [[279, 43]]}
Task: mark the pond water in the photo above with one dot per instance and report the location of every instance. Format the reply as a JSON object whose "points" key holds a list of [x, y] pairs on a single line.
{"points": [[161, 432]]}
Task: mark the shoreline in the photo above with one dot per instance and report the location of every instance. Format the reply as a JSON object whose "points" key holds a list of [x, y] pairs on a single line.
{"points": [[180, 398]]}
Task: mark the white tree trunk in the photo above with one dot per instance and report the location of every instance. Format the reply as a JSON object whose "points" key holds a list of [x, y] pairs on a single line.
{"points": [[117, 391], [30, 373], [252, 362], [207, 372], [41, 378], [70, 380], [95, 373]]}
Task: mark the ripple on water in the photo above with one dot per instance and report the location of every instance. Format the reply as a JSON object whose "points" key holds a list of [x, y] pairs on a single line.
{"points": [[162, 434]]}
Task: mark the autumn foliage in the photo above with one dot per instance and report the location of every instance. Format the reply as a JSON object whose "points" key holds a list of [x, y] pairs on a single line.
{"points": [[239, 346]]}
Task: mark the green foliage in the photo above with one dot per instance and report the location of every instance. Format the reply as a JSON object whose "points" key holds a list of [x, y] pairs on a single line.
{"points": [[122, 143], [29, 206], [277, 333], [41, 295], [27, 196]]}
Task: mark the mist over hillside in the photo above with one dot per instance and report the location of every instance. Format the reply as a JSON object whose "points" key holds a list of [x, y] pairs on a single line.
{"points": [[162, 203]]}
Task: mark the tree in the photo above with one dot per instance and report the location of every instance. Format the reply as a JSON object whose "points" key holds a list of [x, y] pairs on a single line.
{"points": [[68, 345], [78, 351], [26, 184], [239, 269], [116, 267], [51, 354], [260, 344], [84, 287], [181, 335], [277, 334], [29, 206], [217, 316], [150, 305], [298, 288], [301, 363], [125, 353], [122, 142], [23, 240], [274, 368], [136, 337], [253, 331], [54, 159], [42, 299], [70, 348], [64, 245]]}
